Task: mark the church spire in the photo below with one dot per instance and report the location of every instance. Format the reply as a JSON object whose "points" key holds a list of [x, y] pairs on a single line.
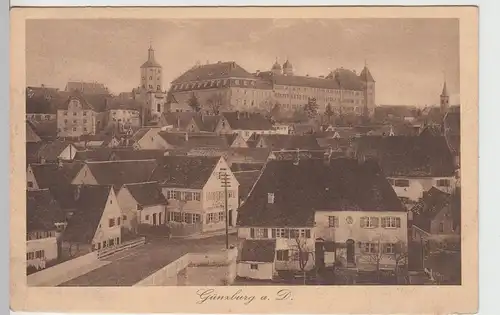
{"points": [[445, 90]]}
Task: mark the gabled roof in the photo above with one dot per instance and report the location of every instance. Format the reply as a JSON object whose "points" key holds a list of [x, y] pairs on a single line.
{"points": [[49, 175], [246, 179], [452, 123], [294, 155], [346, 79], [124, 155], [243, 167], [430, 206], [89, 204], [206, 123], [290, 142], [31, 135], [302, 188], [97, 154], [178, 120], [365, 75], [296, 80], [32, 149], [52, 150], [45, 129], [94, 102], [213, 71], [124, 104], [258, 251], [42, 211], [173, 138], [140, 133], [258, 155], [87, 87], [184, 171], [147, 194], [207, 141], [122, 172], [247, 121], [408, 156]]}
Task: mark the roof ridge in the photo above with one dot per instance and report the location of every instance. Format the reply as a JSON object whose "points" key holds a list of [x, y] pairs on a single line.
{"points": [[116, 161]]}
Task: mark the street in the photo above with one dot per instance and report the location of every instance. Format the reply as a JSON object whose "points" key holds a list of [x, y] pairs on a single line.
{"points": [[131, 266]]}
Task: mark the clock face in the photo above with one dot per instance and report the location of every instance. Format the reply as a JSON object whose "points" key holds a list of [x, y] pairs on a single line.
{"points": [[349, 220]]}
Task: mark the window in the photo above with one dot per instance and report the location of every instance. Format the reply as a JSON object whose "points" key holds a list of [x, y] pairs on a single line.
{"points": [[84, 128], [333, 221], [221, 216], [270, 198], [259, 233], [254, 266], [98, 246], [391, 181], [111, 242], [30, 184], [147, 217], [118, 221], [389, 248], [30, 256], [124, 217], [402, 183], [196, 196], [231, 194], [281, 233], [370, 248], [441, 227], [84, 113], [85, 121], [65, 113], [391, 222], [282, 255], [172, 194], [74, 128], [111, 222], [369, 222], [40, 254], [443, 182], [150, 77]]}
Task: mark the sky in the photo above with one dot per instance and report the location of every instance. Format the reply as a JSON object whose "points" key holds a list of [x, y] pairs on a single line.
{"points": [[408, 58]]}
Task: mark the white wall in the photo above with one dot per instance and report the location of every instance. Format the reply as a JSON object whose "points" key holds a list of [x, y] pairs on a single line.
{"points": [[148, 212], [84, 177], [420, 185], [354, 231], [68, 153], [48, 245], [112, 210], [265, 271], [30, 177]]}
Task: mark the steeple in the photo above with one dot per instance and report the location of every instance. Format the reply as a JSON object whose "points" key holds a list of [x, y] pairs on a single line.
{"points": [[151, 62], [287, 68], [276, 68], [444, 99]]}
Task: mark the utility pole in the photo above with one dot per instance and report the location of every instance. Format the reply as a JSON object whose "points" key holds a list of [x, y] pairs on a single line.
{"points": [[225, 184]]}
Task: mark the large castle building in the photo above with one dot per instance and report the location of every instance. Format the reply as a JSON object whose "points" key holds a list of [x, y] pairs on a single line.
{"points": [[234, 88]]}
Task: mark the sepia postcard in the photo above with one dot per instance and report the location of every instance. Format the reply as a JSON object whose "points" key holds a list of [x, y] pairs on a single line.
{"points": [[244, 160]]}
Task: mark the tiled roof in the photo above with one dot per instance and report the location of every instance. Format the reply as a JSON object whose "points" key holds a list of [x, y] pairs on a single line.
{"points": [[31, 135], [147, 194], [365, 75], [346, 80], [247, 121], [124, 104], [122, 172], [246, 179], [408, 156], [49, 175], [289, 142], [173, 138], [178, 120], [95, 102], [184, 171], [295, 80], [206, 122], [220, 70], [46, 129], [432, 203], [42, 211], [32, 149], [241, 167], [139, 134], [207, 141], [258, 155], [137, 154], [87, 87], [90, 202], [52, 150], [258, 251], [301, 189], [293, 155], [97, 154]]}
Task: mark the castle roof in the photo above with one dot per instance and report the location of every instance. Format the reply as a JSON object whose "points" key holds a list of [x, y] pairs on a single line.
{"points": [[219, 70]]}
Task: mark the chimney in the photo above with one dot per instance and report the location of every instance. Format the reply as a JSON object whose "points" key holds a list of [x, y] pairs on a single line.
{"points": [[178, 123], [237, 115], [202, 117], [78, 189], [186, 137], [257, 72]]}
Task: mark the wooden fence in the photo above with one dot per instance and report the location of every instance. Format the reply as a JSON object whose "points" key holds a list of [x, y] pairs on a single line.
{"points": [[106, 252]]}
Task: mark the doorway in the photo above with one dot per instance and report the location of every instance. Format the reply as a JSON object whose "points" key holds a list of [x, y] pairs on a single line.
{"points": [[350, 251], [320, 253], [230, 218], [154, 218]]}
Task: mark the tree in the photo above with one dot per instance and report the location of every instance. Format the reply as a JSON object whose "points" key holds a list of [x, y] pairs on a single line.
{"points": [[194, 103], [329, 112], [401, 258], [303, 253], [311, 108], [214, 103], [299, 115]]}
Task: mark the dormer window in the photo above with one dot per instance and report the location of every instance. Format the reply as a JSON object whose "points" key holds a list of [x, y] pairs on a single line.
{"points": [[270, 198]]}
